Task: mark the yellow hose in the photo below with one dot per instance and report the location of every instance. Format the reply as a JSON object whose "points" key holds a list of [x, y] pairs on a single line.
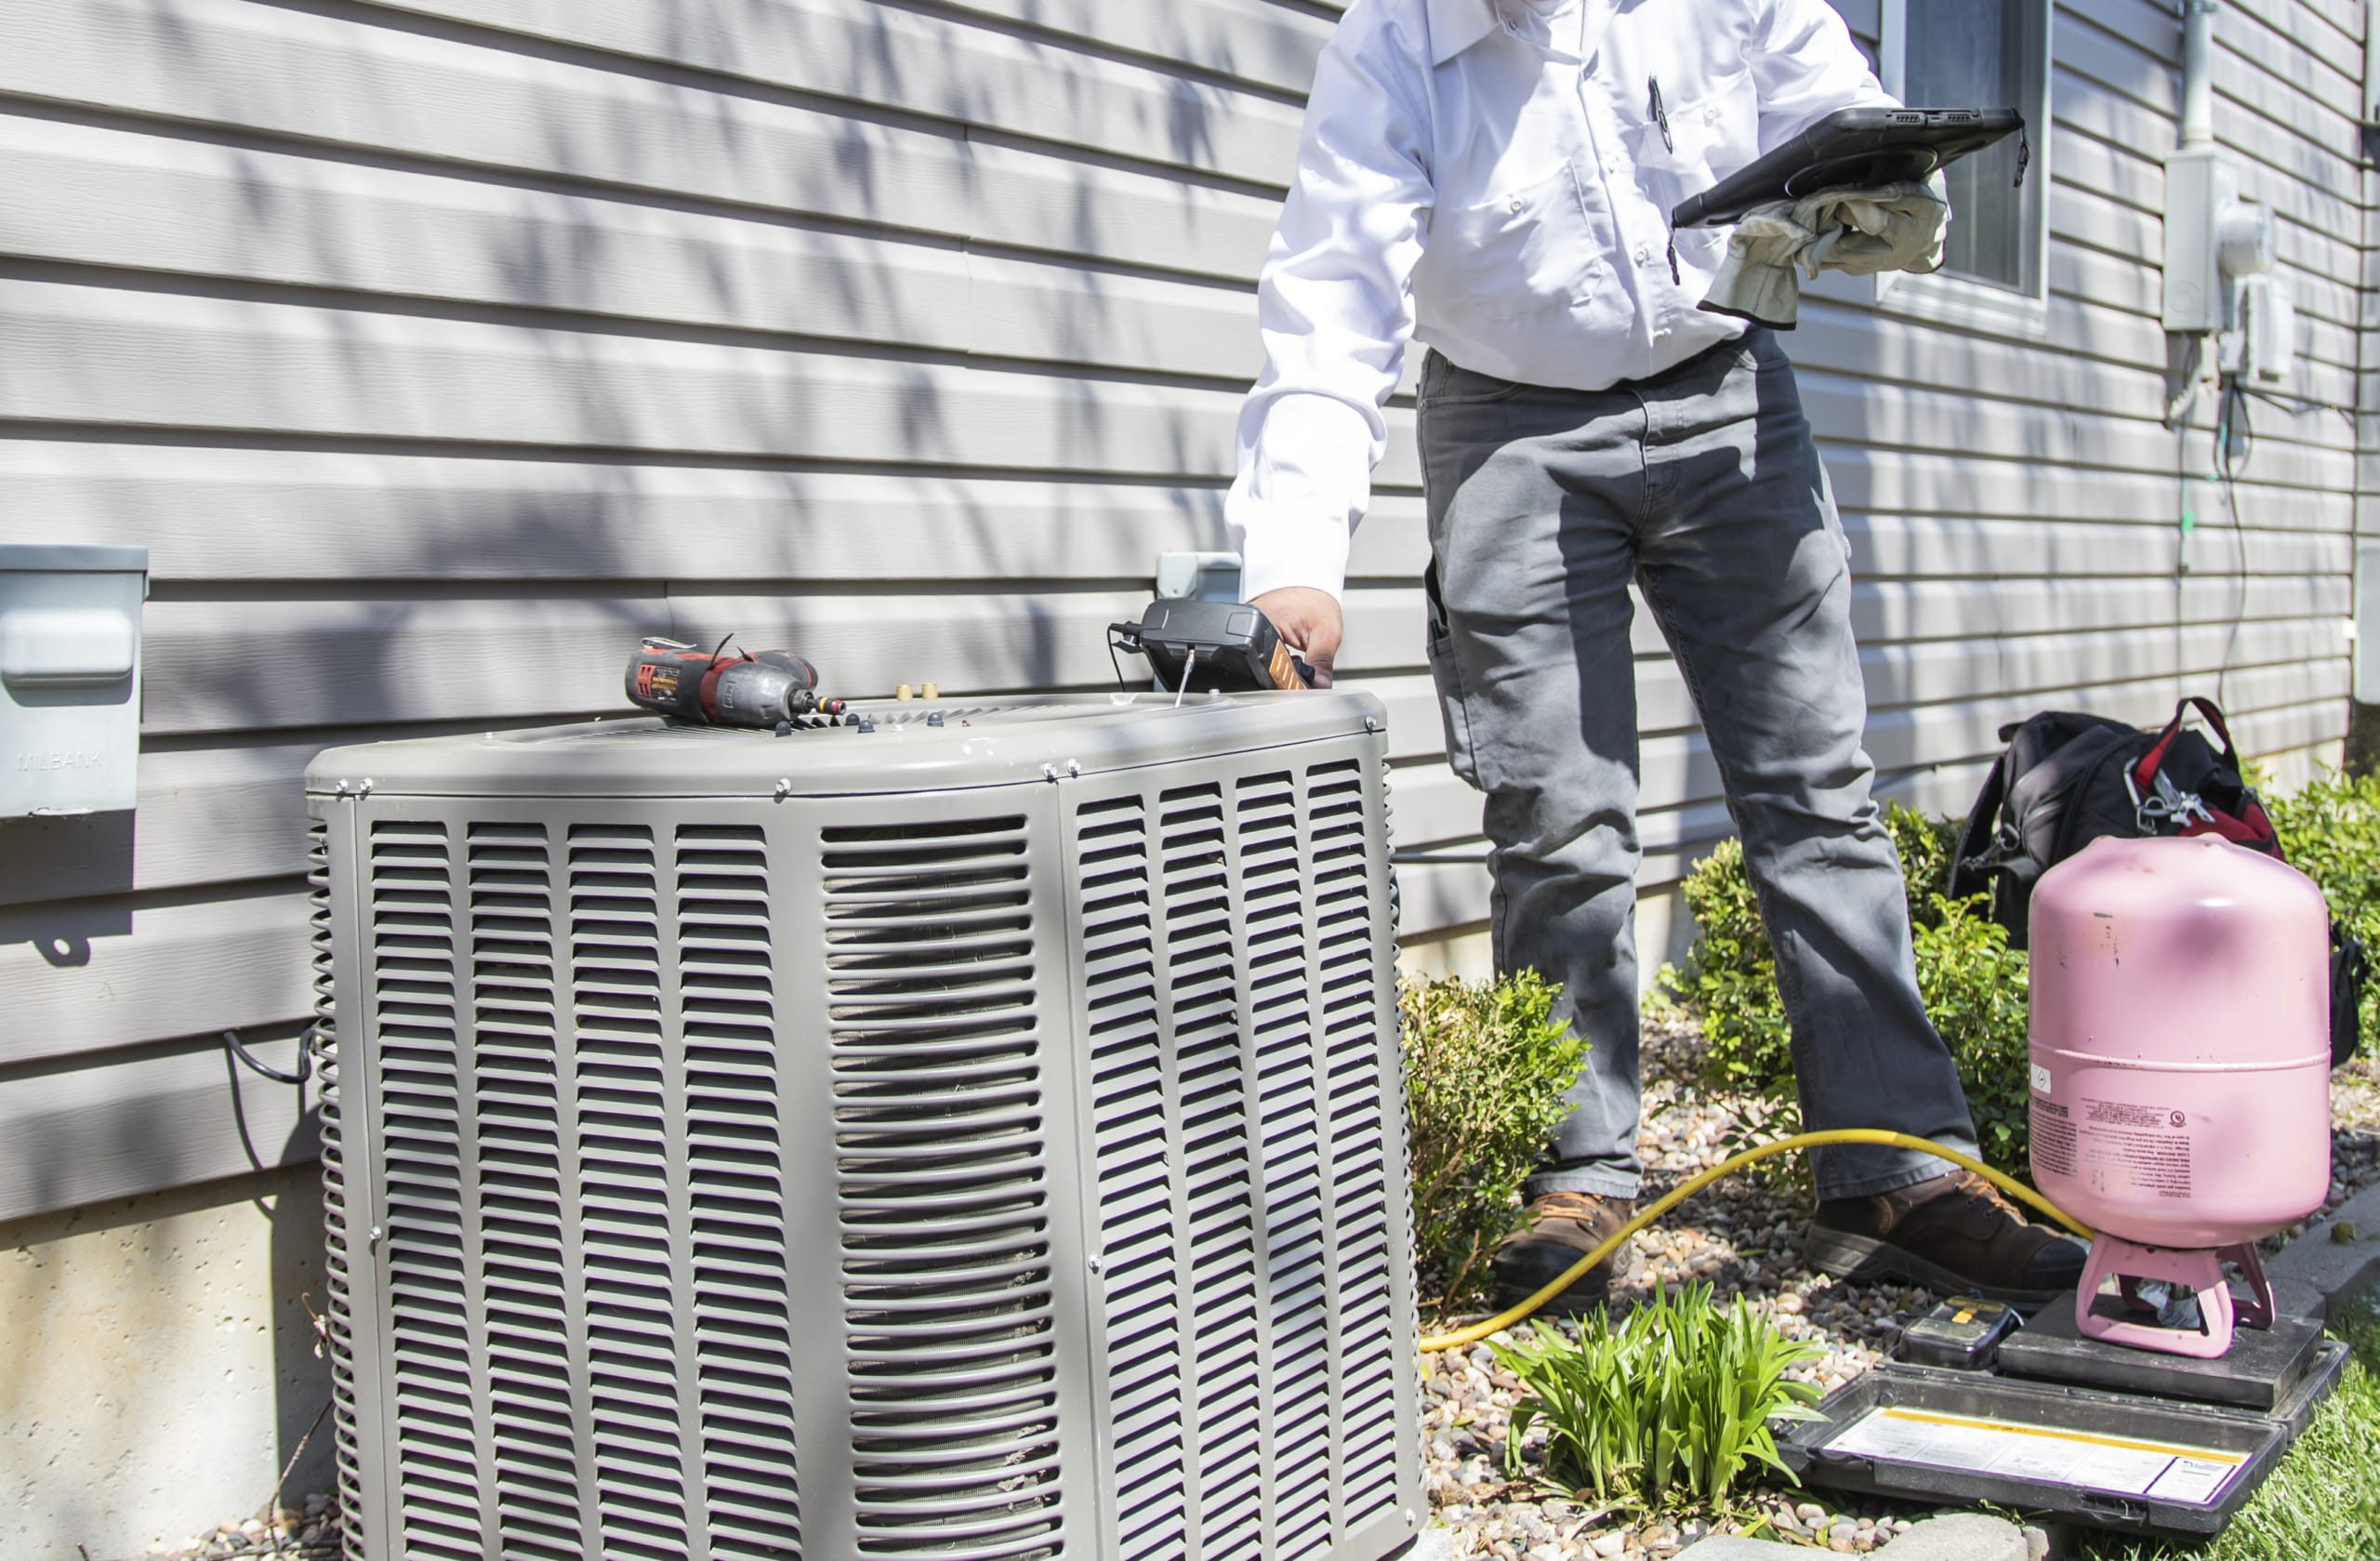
{"points": [[1464, 1336]]}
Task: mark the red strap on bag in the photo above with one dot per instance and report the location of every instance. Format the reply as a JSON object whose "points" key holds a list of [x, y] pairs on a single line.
{"points": [[2251, 827], [2144, 772]]}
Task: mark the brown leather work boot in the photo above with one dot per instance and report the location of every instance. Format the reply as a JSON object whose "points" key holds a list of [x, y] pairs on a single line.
{"points": [[1563, 1228], [1954, 1234]]}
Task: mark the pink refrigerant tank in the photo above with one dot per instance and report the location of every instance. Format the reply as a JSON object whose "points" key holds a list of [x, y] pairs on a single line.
{"points": [[2180, 1068]]}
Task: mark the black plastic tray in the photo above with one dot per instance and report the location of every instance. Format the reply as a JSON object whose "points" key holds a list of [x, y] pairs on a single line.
{"points": [[2261, 1439]]}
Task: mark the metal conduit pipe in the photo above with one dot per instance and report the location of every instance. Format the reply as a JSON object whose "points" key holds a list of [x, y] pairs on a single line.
{"points": [[2197, 73]]}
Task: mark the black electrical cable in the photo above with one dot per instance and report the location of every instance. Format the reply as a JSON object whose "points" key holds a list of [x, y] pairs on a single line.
{"points": [[305, 1061], [2230, 456]]}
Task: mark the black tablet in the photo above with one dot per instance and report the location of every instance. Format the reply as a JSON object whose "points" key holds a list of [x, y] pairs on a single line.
{"points": [[1854, 149]]}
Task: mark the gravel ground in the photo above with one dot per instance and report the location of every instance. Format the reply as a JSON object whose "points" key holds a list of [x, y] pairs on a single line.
{"points": [[1742, 1236], [308, 1531]]}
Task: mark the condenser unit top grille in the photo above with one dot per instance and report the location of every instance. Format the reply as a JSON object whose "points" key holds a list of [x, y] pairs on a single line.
{"points": [[904, 745]]}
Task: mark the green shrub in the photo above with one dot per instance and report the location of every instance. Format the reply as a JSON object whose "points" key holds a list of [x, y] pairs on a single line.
{"points": [[1484, 1073], [1973, 983], [1671, 1404], [1975, 988], [2330, 832], [1729, 983]]}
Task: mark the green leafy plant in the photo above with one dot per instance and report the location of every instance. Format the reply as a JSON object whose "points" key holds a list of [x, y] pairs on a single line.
{"points": [[1973, 983], [1670, 1406], [1975, 992], [2330, 831], [1484, 1071], [1729, 985]]}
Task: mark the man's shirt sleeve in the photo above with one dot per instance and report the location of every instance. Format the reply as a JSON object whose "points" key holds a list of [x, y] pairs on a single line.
{"points": [[1805, 67], [1334, 307]]}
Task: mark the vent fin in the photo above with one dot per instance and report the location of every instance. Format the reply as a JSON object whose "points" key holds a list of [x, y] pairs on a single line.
{"points": [[624, 1130], [1367, 1145], [525, 1218], [735, 1170], [438, 1496], [1132, 1154], [338, 1305]]}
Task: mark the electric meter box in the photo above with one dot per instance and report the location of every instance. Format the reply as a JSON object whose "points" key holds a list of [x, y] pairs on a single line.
{"points": [[70, 678]]}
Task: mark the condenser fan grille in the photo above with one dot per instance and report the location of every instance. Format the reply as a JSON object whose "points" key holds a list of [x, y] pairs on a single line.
{"points": [[943, 1188]]}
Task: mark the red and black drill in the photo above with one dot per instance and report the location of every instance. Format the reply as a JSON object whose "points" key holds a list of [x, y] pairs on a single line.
{"points": [[721, 687]]}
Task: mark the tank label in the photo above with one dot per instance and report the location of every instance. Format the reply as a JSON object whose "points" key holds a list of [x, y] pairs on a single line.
{"points": [[2164, 1470], [2040, 1079], [2124, 1113], [2053, 1137], [2144, 1146]]}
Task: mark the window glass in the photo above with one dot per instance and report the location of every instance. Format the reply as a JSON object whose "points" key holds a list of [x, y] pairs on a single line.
{"points": [[1985, 54]]}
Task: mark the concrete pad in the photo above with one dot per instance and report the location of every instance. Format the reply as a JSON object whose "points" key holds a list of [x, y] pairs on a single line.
{"points": [[1966, 1536], [2339, 1258]]}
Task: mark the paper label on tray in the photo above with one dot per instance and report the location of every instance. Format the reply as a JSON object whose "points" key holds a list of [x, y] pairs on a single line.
{"points": [[2166, 1470]]}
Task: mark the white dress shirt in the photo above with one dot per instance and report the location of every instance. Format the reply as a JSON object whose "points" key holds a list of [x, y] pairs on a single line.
{"points": [[1489, 176]]}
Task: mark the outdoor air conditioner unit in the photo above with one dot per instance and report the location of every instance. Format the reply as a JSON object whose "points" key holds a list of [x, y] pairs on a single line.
{"points": [[972, 1138]]}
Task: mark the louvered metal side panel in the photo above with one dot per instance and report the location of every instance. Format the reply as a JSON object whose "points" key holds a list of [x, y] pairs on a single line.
{"points": [[1292, 1215], [1203, 986], [1364, 1117], [528, 1211], [412, 909], [1133, 1153], [944, 1188], [574, 1040], [338, 1300], [742, 1311], [1245, 1125], [626, 1128]]}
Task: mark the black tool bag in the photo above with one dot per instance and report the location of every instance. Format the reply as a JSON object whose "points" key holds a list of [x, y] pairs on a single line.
{"points": [[2066, 779], [2350, 969]]}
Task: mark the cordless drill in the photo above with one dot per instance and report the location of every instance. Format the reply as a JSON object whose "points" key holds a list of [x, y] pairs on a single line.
{"points": [[725, 688]]}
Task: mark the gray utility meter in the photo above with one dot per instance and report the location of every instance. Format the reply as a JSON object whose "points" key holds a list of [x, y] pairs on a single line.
{"points": [[70, 678]]}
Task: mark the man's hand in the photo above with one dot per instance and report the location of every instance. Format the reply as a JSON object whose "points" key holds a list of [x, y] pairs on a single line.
{"points": [[1311, 623]]}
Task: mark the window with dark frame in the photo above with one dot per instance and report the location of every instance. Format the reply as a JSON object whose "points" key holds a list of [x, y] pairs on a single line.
{"points": [[1962, 54]]}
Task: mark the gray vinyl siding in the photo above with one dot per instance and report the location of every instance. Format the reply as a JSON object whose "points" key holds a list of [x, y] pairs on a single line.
{"points": [[438, 349]]}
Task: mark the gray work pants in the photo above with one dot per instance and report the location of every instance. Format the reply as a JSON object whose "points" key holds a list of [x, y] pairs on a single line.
{"points": [[1702, 484]]}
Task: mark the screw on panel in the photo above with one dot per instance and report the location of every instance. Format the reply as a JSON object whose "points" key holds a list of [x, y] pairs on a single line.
{"points": [[1098, 1265], [1371, 724], [1074, 769], [1049, 771], [372, 1236], [785, 788]]}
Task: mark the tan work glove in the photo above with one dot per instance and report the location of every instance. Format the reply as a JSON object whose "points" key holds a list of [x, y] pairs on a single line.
{"points": [[1892, 227]]}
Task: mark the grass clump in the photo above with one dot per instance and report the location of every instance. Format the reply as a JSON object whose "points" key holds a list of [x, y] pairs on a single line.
{"points": [[2322, 1503], [1485, 1068], [1668, 1408]]}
